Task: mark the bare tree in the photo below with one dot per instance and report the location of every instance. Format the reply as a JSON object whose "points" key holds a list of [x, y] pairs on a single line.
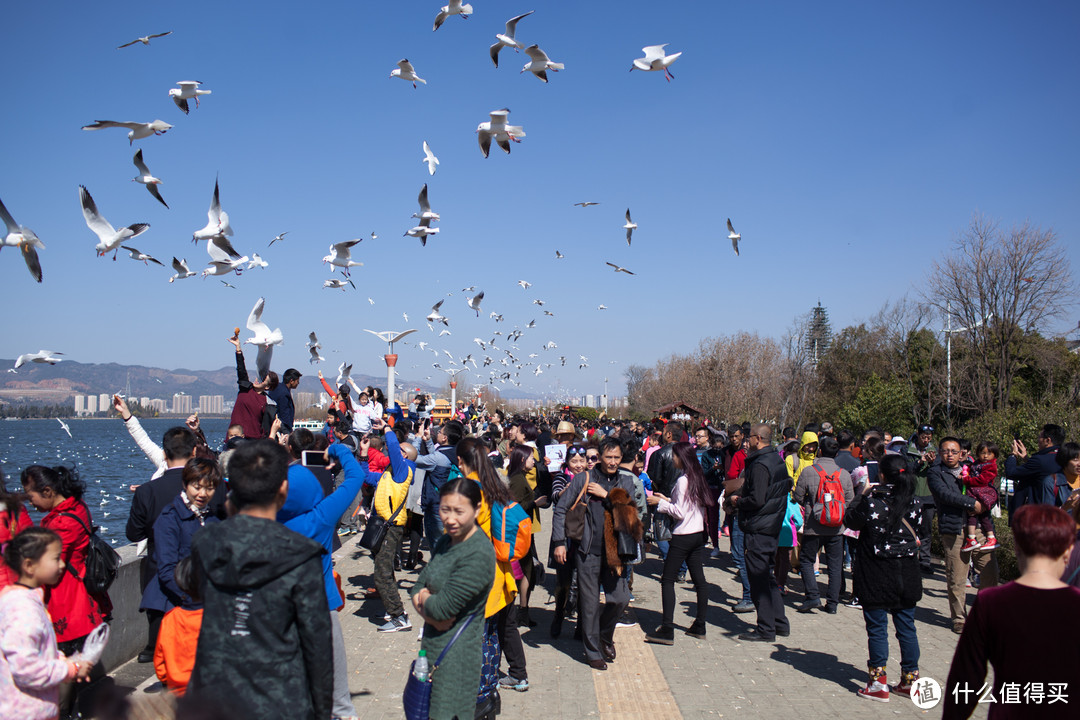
{"points": [[1000, 285]]}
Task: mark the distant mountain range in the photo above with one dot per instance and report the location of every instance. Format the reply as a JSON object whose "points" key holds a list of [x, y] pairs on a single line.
{"points": [[39, 384]]}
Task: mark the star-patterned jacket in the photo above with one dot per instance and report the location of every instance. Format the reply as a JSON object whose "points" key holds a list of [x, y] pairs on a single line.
{"points": [[868, 514]]}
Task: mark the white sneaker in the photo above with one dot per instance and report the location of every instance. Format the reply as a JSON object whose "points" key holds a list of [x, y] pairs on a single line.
{"points": [[401, 622]]}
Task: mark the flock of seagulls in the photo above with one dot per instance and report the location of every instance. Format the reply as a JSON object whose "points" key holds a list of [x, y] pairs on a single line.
{"points": [[224, 259]]}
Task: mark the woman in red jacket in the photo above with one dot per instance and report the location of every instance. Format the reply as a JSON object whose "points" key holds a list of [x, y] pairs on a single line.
{"points": [[58, 492], [13, 520]]}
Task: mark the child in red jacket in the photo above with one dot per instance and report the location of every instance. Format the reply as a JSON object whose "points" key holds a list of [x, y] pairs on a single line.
{"points": [[979, 480]]}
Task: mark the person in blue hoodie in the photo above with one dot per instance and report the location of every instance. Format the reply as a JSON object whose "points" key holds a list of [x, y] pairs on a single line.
{"points": [[309, 513]]}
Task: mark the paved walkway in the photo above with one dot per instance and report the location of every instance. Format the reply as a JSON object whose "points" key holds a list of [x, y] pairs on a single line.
{"points": [[811, 675]]}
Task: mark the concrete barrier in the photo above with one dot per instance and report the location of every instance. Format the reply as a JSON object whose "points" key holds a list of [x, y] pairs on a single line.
{"points": [[127, 633]]}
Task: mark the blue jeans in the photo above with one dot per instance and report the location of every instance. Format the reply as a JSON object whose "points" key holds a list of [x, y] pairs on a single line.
{"points": [[877, 640], [738, 554], [433, 527]]}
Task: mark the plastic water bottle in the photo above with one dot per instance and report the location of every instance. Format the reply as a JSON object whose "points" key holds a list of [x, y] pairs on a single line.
{"points": [[420, 667]]}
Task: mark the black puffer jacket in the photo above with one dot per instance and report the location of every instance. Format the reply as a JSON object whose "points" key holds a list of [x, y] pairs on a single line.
{"points": [[264, 648], [763, 498], [952, 503], [886, 567]]}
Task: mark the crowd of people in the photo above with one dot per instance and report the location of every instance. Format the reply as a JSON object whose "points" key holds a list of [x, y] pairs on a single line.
{"points": [[241, 597]]}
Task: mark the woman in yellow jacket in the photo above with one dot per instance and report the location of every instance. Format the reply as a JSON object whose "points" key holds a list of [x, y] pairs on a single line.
{"points": [[501, 618]]}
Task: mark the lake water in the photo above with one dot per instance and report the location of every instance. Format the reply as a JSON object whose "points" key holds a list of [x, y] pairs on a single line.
{"points": [[102, 450]]}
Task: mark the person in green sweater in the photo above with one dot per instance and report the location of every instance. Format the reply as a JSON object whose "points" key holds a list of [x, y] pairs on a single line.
{"points": [[453, 586]]}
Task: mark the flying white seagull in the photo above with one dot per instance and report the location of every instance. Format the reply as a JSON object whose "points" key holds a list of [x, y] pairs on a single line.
{"points": [[559, 255], [41, 356], [425, 207], [524, 285], [474, 302], [136, 130], [406, 72], [733, 236], [145, 39], [278, 237], [221, 250], [64, 426], [224, 267], [136, 255], [655, 59], [619, 269], [145, 177], [217, 220], [313, 341], [456, 7], [539, 63], [315, 357], [422, 230], [497, 128], [506, 39], [188, 89], [435, 316], [630, 226], [341, 256], [182, 270], [23, 238], [109, 238], [430, 159], [264, 337], [344, 372], [257, 262]]}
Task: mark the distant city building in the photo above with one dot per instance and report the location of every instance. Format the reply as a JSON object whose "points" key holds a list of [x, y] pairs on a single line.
{"points": [[212, 404], [590, 401], [104, 402], [157, 405], [80, 404], [304, 400], [91, 404], [181, 404], [144, 401]]}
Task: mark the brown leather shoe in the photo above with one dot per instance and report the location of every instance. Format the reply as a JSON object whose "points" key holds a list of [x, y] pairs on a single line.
{"points": [[607, 650], [598, 664]]}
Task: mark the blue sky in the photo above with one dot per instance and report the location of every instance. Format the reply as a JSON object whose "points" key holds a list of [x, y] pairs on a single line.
{"points": [[849, 143]]}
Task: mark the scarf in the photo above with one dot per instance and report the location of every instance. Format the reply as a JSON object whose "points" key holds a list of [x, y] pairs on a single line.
{"points": [[200, 513]]}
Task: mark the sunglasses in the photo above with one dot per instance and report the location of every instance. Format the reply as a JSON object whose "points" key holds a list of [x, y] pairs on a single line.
{"points": [[926, 428], [575, 451], [592, 458]]}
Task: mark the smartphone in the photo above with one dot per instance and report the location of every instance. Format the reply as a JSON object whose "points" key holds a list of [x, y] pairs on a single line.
{"points": [[312, 458]]}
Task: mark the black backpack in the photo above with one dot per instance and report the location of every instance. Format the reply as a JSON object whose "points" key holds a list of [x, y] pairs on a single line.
{"points": [[102, 562]]}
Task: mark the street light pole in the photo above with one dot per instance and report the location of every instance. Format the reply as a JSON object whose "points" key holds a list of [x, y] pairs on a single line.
{"points": [[390, 337]]}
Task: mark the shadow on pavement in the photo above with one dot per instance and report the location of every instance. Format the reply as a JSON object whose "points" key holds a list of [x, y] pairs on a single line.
{"points": [[822, 666]]}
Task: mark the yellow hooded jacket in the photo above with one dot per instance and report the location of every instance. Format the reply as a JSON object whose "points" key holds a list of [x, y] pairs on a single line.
{"points": [[795, 465]]}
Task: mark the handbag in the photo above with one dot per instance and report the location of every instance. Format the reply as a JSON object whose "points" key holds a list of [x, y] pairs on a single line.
{"points": [[416, 698], [574, 520], [375, 530], [662, 525]]}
